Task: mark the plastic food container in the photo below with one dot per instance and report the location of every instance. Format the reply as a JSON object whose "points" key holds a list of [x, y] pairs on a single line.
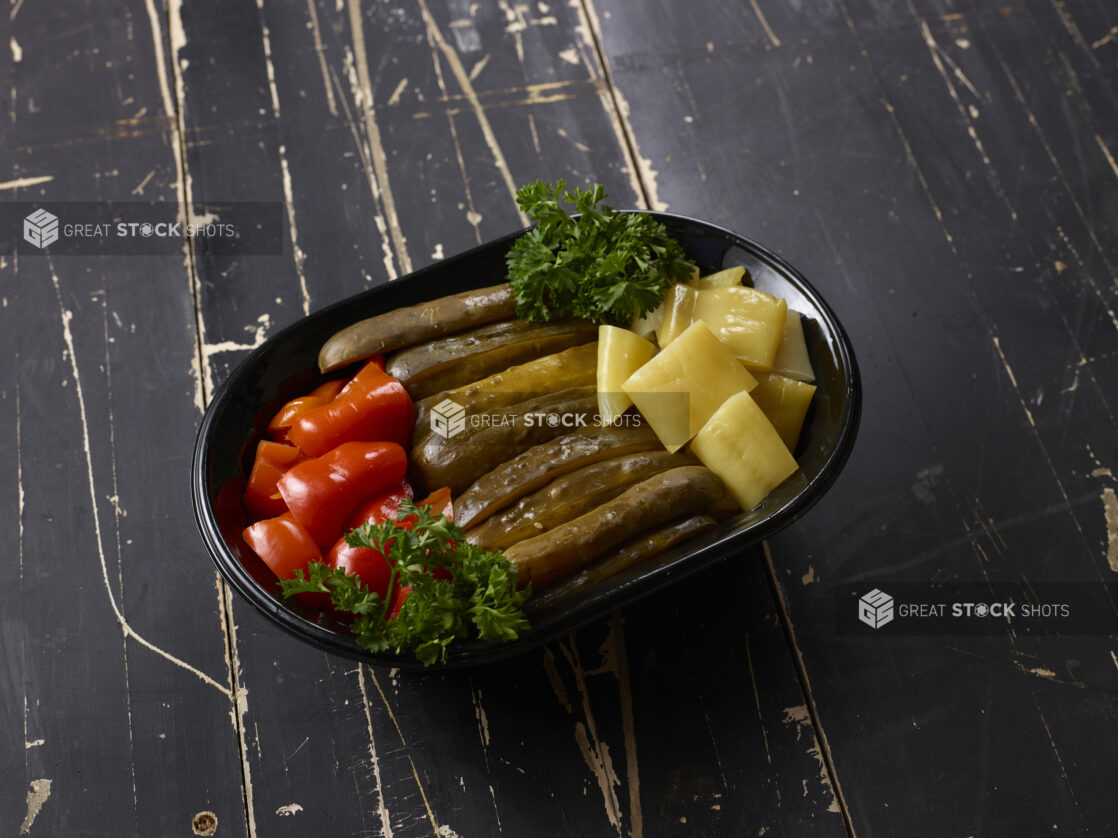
{"points": [[285, 366]]}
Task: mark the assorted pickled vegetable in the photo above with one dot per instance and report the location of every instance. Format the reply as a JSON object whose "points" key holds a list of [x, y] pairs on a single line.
{"points": [[556, 447], [333, 517]]}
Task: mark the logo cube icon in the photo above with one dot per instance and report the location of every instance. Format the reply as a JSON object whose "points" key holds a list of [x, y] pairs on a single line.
{"points": [[40, 228], [448, 418], [875, 609]]}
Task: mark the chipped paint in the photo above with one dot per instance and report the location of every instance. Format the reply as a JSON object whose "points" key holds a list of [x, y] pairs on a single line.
{"points": [[238, 709], [458, 156], [482, 718], [1071, 194], [919, 173], [1105, 39], [362, 86], [798, 716], [297, 252], [483, 735], [801, 718], [138, 189], [386, 242], [374, 759], [1036, 434], [641, 174], [1038, 671], [598, 760], [394, 99], [479, 65], [1110, 507], [23, 182], [36, 797], [939, 56], [65, 316], [775, 41], [289, 809], [316, 34], [616, 655], [208, 350], [595, 752], [176, 37], [467, 87], [298, 255], [403, 742], [1106, 153]]}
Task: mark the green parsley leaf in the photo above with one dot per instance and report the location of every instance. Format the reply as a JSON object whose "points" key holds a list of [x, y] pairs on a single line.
{"points": [[479, 600], [604, 266]]}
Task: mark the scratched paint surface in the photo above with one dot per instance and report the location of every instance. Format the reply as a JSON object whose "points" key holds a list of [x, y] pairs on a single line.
{"points": [[102, 690], [944, 172], [414, 125]]}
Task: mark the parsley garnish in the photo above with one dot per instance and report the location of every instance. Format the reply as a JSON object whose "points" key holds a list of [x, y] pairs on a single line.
{"points": [[604, 266], [480, 599]]}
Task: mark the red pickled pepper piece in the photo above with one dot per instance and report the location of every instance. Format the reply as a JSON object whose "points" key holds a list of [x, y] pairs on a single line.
{"points": [[323, 492], [367, 562], [285, 417], [283, 544], [273, 459], [380, 507], [372, 406]]}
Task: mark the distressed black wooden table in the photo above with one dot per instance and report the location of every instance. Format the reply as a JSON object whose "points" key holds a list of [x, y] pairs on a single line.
{"points": [[944, 172]]}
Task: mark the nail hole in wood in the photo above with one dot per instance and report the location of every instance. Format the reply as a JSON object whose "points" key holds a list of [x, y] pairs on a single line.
{"points": [[204, 823]]}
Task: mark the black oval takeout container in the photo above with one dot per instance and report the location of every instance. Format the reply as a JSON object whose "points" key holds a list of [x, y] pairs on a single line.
{"points": [[285, 366]]}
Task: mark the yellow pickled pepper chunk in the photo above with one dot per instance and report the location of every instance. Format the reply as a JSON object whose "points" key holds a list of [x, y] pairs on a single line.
{"points": [[679, 311], [620, 354], [791, 358], [682, 386], [748, 321], [649, 324], [742, 447], [726, 278], [785, 401], [646, 326]]}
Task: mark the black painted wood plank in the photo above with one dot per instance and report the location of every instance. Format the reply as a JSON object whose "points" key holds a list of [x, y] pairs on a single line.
{"points": [[634, 725], [551, 743], [965, 239], [303, 772], [116, 683]]}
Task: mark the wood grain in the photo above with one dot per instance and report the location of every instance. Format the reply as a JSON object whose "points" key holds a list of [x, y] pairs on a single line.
{"points": [[117, 718], [942, 175]]}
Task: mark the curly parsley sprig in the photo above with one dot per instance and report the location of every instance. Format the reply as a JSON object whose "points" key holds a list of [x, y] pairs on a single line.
{"points": [[604, 266], [479, 599]]}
